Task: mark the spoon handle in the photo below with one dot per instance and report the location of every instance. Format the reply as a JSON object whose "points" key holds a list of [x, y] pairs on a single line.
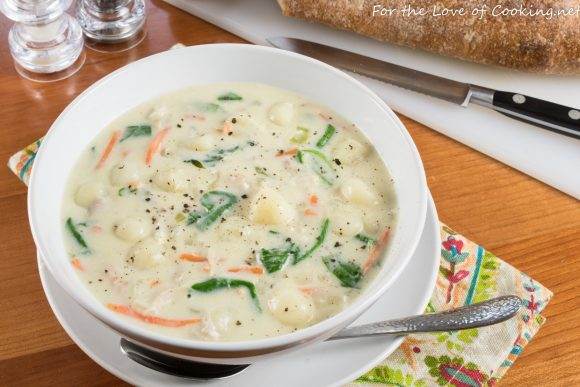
{"points": [[477, 315]]}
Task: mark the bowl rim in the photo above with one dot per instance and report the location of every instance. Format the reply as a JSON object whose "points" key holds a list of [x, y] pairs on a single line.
{"points": [[307, 334]]}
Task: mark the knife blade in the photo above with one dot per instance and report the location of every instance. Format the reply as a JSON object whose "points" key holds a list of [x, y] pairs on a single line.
{"points": [[544, 114]]}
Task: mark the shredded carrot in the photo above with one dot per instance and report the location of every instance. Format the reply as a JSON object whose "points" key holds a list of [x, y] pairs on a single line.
{"points": [[377, 250], [154, 145], [109, 148], [307, 291], [77, 264], [249, 269], [313, 199], [289, 152], [193, 257], [128, 311], [310, 212]]}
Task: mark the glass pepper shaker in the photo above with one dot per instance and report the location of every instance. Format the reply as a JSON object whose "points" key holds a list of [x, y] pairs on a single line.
{"points": [[45, 42], [112, 25]]}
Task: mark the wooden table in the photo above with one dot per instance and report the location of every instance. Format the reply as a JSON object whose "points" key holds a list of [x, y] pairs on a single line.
{"points": [[530, 225]]}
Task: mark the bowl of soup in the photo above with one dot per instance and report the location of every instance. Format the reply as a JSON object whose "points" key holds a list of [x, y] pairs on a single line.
{"points": [[227, 202]]}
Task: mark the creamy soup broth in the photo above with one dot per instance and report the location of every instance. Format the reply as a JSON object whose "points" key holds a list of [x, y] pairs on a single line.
{"points": [[228, 212]]}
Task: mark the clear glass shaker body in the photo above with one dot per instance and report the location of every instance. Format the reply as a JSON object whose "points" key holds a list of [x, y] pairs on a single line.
{"points": [[45, 42], [112, 25]]}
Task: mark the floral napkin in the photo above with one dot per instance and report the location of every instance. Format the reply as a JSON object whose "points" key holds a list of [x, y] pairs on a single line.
{"points": [[468, 274]]}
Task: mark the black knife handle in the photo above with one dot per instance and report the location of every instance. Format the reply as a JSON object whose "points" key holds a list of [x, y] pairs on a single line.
{"points": [[549, 115]]}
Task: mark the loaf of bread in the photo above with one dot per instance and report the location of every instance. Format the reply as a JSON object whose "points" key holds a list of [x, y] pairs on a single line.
{"points": [[533, 42]]}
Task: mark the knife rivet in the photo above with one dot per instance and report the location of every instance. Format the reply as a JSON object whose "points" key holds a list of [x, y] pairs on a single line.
{"points": [[574, 114], [519, 99]]}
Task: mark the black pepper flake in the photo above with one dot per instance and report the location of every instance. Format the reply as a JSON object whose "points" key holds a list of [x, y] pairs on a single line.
{"points": [[189, 296], [286, 309], [222, 220], [288, 239], [230, 133], [234, 120], [147, 199], [179, 125], [244, 196], [337, 244], [238, 322], [173, 248], [185, 205], [337, 161]]}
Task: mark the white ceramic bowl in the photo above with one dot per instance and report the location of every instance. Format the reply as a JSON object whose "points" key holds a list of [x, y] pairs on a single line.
{"points": [[145, 79]]}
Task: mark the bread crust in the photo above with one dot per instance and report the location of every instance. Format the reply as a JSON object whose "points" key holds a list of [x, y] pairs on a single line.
{"points": [[526, 43]]}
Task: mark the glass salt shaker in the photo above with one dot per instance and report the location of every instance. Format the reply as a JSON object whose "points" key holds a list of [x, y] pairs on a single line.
{"points": [[112, 25], [45, 42]]}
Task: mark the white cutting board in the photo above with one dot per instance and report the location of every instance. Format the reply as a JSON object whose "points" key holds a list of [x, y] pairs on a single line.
{"points": [[549, 157]]}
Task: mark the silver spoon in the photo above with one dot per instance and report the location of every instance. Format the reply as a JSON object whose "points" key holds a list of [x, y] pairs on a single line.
{"points": [[477, 315]]}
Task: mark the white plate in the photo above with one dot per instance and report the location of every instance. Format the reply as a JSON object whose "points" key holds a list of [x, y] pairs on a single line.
{"points": [[323, 364]]}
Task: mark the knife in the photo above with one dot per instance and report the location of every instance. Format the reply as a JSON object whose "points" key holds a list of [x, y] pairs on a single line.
{"points": [[547, 115]]}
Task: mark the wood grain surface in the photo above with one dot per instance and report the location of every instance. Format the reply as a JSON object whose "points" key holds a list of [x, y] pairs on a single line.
{"points": [[528, 224]]}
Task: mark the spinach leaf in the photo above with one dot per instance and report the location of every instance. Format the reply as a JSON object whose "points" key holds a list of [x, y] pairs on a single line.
{"points": [[193, 217], [214, 284], [70, 226], [136, 131], [230, 96], [274, 259], [367, 240], [319, 241], [328, 133], [318, 163], [349, 274], [216, 155], [215, 203]]}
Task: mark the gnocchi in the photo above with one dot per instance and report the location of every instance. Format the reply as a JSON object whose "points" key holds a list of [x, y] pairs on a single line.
{"points": [[291, 307], [282, 113], [88, 193], [132, 229], [350, 151], [356, 191], [269, 207]]}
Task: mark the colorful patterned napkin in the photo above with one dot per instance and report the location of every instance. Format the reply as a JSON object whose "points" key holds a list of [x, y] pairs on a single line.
{"points": [[468, 274]]}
